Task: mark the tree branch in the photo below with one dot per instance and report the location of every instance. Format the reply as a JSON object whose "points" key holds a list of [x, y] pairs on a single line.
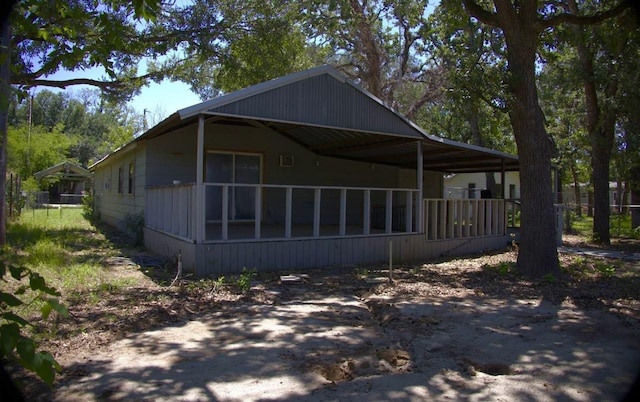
{"points": [[67, 83], [587, 19], [476, 11], [104, 85]]}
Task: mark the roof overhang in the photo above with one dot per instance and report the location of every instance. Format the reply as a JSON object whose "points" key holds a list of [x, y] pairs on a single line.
{"points": [[352, 124]]}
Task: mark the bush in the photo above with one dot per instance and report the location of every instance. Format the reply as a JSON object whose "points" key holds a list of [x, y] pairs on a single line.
{"points": [[134, 225], [14, 344]]}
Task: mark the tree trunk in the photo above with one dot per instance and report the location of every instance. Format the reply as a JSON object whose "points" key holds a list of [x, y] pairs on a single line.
{"points": [[5, 63], [601, 128], [537, 255]]}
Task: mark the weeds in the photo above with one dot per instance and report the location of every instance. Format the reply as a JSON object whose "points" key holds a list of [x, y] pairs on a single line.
{"points": [[583, 268], [245, 278], [134, 224], [502, 269]]}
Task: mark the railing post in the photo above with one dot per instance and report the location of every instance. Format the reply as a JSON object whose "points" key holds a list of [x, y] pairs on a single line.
{"points": [[450, 218], [343, 211], [481, 217], [426, 219], [258, 212], [287, 218], [366, 218], [408, 213], [442, 220], [465, 217], [475, 211], [459, 220], [435, 220], [388, 224], [225, 212], [316, 212]]}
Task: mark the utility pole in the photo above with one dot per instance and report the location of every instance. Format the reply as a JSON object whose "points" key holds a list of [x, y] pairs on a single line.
{"points": [[144, 120]]}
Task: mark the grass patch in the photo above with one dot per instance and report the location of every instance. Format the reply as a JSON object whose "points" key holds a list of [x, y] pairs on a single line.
{"points": [[66, 249], [619, 226]]}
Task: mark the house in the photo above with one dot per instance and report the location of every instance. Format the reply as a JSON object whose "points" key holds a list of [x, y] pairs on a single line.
{"points": [[472, 185], [67, 182], [307, 170]]}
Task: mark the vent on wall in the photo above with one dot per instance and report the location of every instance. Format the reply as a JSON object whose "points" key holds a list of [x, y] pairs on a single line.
{"points": [[286, 161]]}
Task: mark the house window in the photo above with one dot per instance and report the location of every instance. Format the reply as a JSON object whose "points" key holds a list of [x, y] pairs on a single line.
{"points": [[472, 190], [512, 191], [130, 182], [120, 177], [233, 168]]}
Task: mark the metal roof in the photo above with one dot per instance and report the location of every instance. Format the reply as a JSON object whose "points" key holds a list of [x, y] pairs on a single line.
{"points": [[323, 111]]}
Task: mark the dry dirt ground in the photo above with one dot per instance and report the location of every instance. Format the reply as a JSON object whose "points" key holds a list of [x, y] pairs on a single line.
{"points": [[463, 329]]}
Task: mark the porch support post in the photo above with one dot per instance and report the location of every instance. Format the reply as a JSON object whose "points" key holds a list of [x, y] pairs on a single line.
{"points": [[419, 201], [343, 211], [366, 218], [317, 198], [200, 201]]}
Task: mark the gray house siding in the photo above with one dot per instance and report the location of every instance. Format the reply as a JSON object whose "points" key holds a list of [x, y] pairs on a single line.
{"points": [[327, 102], [111, 205], [212, 260]]}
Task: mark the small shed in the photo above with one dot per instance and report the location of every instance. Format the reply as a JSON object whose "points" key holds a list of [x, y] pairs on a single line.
{"points": [[68, 182]]}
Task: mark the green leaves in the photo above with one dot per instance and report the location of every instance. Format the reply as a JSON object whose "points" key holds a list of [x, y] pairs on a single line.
{"points": [[13, 343]]}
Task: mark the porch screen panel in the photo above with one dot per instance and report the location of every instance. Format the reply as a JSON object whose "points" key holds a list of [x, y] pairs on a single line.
{"points": [[236, 169], [247, 170], [219, 169]]}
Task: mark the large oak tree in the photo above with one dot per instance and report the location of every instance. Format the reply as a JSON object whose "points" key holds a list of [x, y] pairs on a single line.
{"points": [[523, 24]]}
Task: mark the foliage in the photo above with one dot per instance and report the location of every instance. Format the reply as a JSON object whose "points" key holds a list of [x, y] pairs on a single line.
{"points": [[85, 122], [472, 109], [14, 343], [31, 149], [245, 278], [380, 44], [88, 211], [134, 225], [80, 35], [584, 268], [620, 226], [504, 268]]}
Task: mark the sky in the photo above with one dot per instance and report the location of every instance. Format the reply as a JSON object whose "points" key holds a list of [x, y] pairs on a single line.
{"points": [[159, 100]]}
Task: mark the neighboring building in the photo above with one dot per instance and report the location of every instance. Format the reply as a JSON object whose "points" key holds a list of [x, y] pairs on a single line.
{"points": [[472, 185], [68, 182], [307, 170]]}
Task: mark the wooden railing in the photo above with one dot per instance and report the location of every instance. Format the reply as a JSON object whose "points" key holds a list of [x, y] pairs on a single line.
{"points": [[346, 211], [171, 209], [462, 218], [292, 206], [513, 213]]}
